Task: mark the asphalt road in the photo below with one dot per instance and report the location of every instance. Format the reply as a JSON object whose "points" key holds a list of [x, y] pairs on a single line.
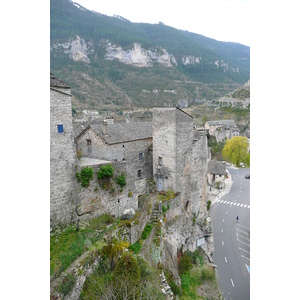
{"points": [[232, 238]]}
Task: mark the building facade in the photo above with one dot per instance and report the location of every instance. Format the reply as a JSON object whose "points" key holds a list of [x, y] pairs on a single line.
{"points": [[62, 154]]}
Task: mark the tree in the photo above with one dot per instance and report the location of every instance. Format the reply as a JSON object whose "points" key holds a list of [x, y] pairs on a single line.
{"points": [[113, 250], [127, 277], [236, 150]]}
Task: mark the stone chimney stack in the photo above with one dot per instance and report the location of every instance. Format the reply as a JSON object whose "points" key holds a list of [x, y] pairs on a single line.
{"points": [[104, 127]]}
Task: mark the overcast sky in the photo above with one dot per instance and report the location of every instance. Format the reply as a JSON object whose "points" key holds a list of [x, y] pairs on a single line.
{"points": [[223, 20]]}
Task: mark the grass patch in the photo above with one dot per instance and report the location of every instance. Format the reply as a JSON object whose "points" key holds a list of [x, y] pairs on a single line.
{"points": [[166, 196], [67, 246], [136, 247], [146, 231]]}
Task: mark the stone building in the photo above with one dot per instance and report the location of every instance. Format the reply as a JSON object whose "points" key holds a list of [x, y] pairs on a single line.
{"points": [[179, 156], [124, 142], [62, 153], [216, 172], [222, 129]]}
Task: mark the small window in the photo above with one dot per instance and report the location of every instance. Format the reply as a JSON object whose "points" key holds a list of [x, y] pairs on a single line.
{"points": [[139, 173], [60, 128], [141, 157]]}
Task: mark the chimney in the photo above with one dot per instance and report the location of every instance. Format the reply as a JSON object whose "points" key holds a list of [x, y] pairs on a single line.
{"points": [[104, 127]]}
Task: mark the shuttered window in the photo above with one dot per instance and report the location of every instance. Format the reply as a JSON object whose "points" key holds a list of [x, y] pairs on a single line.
{"points": [[60, 128]]}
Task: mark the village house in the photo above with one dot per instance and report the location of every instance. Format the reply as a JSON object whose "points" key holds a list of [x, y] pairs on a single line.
{"points": [[216, 173], [124, 142], [222, 129]]}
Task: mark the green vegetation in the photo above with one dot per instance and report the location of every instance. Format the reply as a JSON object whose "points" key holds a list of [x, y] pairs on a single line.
{"points": [[208, 204], [165, 196], [121, 180], [106, 171], [86, 174], [216, 148], [146, 231], [68, 244], [236, 151], [126, 276], [67, 284], [194, 274], [109, 84], [136, 247]]}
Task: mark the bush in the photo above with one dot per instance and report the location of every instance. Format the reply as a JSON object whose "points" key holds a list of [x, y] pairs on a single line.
{"points": [[185, 263], [67, 284], [136, 247], [85, 176], [121, 180], [208, 204], [106, 171]]}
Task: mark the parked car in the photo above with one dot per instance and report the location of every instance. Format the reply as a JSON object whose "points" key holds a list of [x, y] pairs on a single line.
{"points": [[247, 176]]}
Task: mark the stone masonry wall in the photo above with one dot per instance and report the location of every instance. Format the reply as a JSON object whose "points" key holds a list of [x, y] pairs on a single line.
{"points": [[199, 171], [127, 152], [96, 200], [62, 158], [164, 146]]}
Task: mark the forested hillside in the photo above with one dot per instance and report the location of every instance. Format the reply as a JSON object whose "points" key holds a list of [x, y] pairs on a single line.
{"points": [[85, 51]]}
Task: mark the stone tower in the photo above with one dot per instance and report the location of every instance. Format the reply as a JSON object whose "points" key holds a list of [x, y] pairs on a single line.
{"points": [[62, 153], [172, 150]]}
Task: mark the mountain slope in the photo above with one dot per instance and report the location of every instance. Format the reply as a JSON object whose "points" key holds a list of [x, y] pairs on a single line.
{"points": [[113, 64]]}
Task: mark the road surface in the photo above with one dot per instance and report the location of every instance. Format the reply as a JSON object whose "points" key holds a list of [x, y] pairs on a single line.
{"points": [[232, 237]]}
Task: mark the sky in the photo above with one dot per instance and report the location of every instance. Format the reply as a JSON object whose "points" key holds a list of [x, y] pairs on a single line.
{"points": [[223, 20]]}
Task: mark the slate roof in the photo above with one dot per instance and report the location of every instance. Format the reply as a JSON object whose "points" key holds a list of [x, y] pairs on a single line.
{"points": [[125, 132], [55, 82], [216, 167], [230, 123]]}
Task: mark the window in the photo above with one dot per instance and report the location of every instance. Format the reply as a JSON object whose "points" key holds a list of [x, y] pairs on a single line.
{"points": [[141, 157], [60, 128], [89, 145], [139, 173]]}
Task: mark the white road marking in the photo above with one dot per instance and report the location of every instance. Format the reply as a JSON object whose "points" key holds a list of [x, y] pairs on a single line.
{"points": [[221, 201], [223, 220], [245, 257], [234, 203], [222, 243], [231, 203], [242, 226], [222, 230], [243, 237], [225, 258], [244, 250], [242, 231], [238, 204], [248, 206], [226, 212], [232, 282]]}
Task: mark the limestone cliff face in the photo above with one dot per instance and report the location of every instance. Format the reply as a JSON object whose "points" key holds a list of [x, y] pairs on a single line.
{"points": [[77, 49], [139, 56]]}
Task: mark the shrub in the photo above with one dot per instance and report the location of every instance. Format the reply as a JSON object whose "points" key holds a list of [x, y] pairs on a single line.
{"points": [[164, 208], [106, 171], [85, 176], [208, 204], [136, 247], [121, 179], [127, 276], [185, 263], [67, 284]]}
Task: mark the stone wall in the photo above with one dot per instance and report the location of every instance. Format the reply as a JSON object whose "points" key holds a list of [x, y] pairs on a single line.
{"points": [[96, 199], [62, 158], [124, 152]]}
